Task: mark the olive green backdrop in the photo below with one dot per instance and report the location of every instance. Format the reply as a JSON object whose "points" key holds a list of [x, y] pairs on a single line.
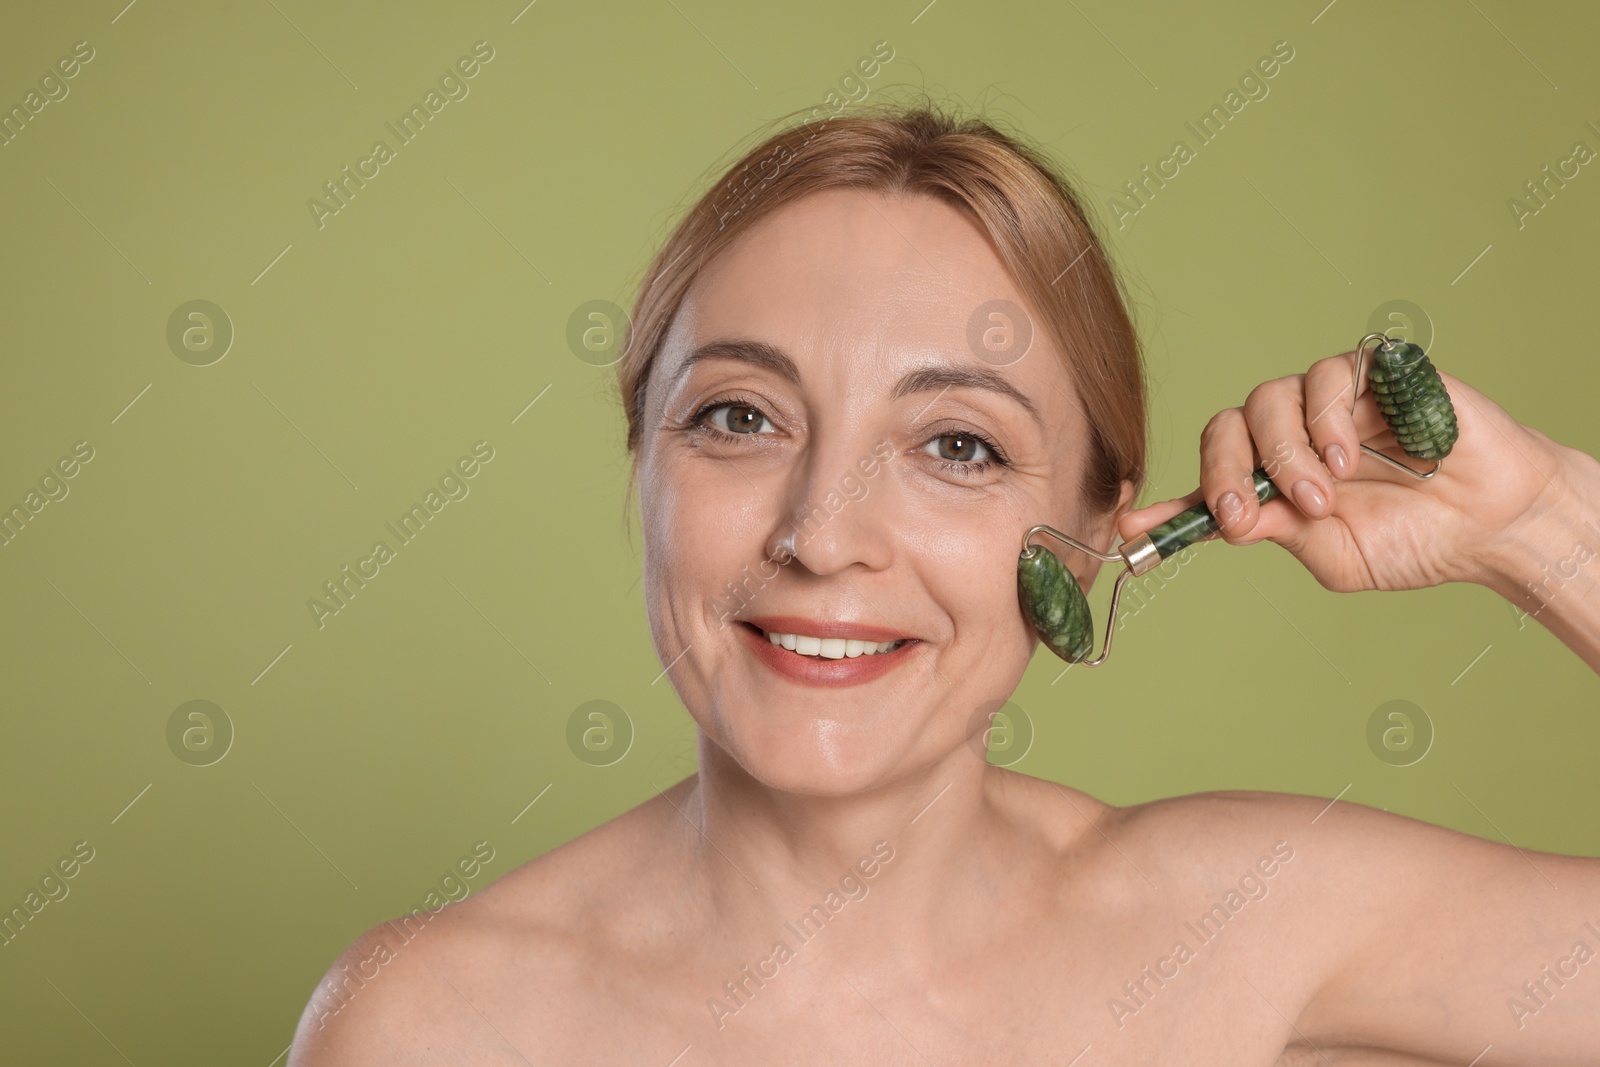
{"points": [[338, 772]]}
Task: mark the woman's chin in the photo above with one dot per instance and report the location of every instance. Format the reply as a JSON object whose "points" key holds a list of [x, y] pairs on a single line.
{"points": [[822, 764]]}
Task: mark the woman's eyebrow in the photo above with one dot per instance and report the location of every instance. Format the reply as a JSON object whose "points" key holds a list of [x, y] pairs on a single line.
{"points": [[945, 377], [941, 377], [760, 353]]}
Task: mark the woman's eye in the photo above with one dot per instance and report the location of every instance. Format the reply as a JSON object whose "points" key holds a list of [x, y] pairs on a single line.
{"points": [[737, 418], [959, 448]]}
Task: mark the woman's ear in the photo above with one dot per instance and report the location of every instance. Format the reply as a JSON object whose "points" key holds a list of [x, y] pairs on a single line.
{"points": [[1105, 530], [1124, 504], [1101, 534]]}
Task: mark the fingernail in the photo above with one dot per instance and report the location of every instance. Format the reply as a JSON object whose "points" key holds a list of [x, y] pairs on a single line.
{"points": [[1308, 497], [1334, 457], [1228, 507]]}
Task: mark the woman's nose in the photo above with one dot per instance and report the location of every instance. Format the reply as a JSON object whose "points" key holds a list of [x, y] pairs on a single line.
{"points": [[836, 518]]}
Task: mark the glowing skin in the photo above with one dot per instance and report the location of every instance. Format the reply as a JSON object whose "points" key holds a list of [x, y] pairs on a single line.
{"points": [[859, 292]]}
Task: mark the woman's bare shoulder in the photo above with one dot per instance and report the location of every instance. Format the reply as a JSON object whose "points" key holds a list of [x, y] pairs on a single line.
{"points": [[419, 983], [1198, 823], [1179, 828], [1339, 848], [1190, 843]]}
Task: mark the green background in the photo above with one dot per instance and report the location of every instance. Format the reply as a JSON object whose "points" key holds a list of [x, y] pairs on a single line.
{"points": [[373, 753]]}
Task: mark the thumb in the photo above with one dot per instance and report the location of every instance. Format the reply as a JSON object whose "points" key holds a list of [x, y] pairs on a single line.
{"points": [[1142, 520], [1276, 520]]}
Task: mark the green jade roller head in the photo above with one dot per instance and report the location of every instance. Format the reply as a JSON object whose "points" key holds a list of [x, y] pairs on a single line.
{"points": [[1414, 403]]}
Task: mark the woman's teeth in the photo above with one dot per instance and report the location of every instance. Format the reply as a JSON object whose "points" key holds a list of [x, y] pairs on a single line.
{"points": [[832, 647]]}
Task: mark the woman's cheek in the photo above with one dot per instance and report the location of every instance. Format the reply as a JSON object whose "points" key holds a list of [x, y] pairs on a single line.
{"points": [[968, 554], [709, 527], [670, 510]]}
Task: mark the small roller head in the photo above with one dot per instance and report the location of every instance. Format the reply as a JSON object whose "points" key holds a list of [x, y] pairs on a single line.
{"points": [[1413, 401]]}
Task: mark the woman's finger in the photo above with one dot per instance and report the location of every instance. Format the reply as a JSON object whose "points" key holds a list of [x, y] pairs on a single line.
{"points": [[1285, 427], [1276, 414], [1271, 524], [1330, 399], [1141, 520], [1336, 432], [1227, 462]]}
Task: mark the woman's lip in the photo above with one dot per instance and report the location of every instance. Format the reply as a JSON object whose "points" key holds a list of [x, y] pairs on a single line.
{"points": [[850, 631], [817, 671]]}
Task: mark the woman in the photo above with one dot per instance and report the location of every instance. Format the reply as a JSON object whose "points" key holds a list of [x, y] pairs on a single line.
{"points": [[833, 484]]}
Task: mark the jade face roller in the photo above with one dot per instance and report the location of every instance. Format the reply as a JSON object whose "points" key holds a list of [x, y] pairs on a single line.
{"points": [[1415, 405]]}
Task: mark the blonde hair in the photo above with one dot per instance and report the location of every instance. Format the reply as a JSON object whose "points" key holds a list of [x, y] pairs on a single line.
{"points": [[1035, 218]]}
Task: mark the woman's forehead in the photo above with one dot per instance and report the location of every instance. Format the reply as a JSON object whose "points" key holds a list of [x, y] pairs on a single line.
{"points": [[852, 275], [849, 251]]}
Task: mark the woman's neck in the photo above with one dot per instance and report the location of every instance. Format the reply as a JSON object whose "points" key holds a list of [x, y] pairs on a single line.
{"points": [[904, 859]]}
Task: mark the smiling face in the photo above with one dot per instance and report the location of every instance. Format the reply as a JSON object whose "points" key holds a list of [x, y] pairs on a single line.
{"points": [[825, 456]]}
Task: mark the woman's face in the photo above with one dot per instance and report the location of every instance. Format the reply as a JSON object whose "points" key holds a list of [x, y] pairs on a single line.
{"points": [[847, 466]]}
